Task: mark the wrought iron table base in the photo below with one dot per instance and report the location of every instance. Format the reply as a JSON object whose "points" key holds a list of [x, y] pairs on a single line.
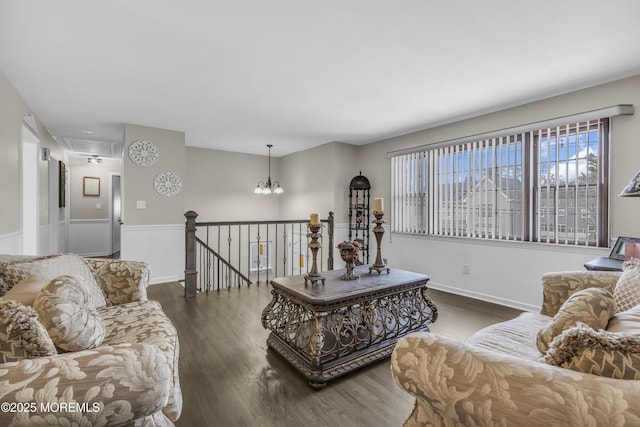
{"points": [[324, 338]]}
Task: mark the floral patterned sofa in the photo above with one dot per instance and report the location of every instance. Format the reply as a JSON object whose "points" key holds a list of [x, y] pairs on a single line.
{"points": [[80, 344], [575, 363]]}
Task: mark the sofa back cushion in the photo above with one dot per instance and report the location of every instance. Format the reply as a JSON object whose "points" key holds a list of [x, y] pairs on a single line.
{"points": [[64, 309], [51, 267], [22, 336], [592, 306], [627, 290]]}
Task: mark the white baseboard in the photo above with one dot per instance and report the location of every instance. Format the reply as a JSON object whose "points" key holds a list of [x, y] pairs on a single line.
{"points": [[483, 297], [161, 246]]}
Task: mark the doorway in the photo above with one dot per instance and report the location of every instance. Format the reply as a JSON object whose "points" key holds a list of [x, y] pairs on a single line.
{"points": [[116, 215], [30, 220]]}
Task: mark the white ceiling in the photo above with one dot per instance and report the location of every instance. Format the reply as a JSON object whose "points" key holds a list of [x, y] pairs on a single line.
{"points": [[238, 74]]}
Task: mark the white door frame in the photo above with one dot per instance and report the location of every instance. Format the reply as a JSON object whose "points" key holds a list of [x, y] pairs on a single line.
{"points": [[30, 193]]}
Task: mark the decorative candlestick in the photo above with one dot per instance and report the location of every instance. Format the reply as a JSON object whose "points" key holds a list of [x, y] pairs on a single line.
{"points": [[313, 275], [378, 230]]}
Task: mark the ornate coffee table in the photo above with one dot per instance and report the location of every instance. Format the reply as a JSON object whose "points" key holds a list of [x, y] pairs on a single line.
{"points": [[328, 330]]}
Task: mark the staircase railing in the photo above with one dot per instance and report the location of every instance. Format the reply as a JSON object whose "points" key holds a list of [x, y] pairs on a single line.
{"points": [[229, 254]]}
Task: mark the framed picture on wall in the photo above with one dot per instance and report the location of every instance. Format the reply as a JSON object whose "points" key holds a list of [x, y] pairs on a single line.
{"points": [[62, 184], [91, 186]]}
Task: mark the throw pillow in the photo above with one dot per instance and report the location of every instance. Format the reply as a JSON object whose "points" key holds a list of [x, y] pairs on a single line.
{"points": [[22, 336], [25, 291], [627, 290], [592, 306], [627, 321], [52, 267], [64, 309], [603, 353]]}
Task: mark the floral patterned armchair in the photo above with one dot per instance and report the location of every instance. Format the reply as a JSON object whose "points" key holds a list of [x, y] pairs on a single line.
{"points": [[130, 378], [498, 377]]}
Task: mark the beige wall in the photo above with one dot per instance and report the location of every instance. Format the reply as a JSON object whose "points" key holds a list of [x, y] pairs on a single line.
{"points": [[138, 180], [317, 180], [84, 207], [12, 109], [219, 186]]}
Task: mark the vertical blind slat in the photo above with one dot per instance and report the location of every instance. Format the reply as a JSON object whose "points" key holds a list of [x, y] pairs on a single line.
{"points": [[543, 185]]}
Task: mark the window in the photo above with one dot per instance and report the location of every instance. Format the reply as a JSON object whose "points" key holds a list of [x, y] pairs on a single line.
{"points": [[541, 185]]}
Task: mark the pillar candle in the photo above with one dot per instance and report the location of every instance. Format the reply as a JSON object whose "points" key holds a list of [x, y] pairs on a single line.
{"points": [[379, 204], [314, 219]]}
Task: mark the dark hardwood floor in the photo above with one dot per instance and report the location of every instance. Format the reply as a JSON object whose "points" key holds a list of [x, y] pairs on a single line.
{"points": [[230, 378]]}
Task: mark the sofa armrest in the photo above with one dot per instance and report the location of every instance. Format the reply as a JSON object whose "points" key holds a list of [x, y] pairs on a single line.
{"points": [[122, 281], [109, 385], [557, 287], [461, 385]]}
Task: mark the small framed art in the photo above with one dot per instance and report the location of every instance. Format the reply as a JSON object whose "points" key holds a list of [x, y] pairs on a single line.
{"points": [[91, 186]]}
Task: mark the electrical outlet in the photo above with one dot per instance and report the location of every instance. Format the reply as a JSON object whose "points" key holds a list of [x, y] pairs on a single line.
{"points": [[466, 269]]}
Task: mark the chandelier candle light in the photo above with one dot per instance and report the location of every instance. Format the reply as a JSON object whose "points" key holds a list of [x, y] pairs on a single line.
{"points": [[269, 187], [378, 230], [314, 226]]}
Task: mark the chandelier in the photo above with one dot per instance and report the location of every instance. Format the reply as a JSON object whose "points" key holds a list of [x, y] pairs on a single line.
{"points": [[95, 159], [268, 187]]}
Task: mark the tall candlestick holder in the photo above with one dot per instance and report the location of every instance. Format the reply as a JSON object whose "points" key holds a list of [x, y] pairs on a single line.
{"points": [[313, 277], [378, 230]]}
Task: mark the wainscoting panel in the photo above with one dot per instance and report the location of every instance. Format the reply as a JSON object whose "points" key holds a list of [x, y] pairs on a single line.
{"points": [[44, 240], [62, 241], [161, 246], [11, 243], [89, 237]]}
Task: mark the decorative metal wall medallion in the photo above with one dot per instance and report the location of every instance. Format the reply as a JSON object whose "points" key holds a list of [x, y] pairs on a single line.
{"points": [[167, 184], [143, 153]]}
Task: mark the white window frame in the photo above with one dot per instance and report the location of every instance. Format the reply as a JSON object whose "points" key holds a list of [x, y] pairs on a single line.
{"points": [[429, 184]]}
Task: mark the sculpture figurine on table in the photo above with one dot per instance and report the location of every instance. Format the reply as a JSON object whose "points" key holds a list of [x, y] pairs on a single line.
{"points": [[349, 254], [378, 230]]}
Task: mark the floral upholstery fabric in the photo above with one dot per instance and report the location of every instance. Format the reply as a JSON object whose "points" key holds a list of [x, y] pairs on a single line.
{"points": [[22, 336], [473, 384], [559, 286], [132, 376], [121, 281], [592, 306], [461, 385], [609, 354], [115, 385], [144, 321], [627, 290], [64, 308], [52, 267]]}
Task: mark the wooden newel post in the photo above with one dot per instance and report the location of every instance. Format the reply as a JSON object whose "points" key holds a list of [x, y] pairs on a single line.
{"points": [[190, 272], [330, 234]]}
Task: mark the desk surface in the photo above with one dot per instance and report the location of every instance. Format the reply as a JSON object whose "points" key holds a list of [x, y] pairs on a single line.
{"points": [[604, 264], [336, 289]]}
